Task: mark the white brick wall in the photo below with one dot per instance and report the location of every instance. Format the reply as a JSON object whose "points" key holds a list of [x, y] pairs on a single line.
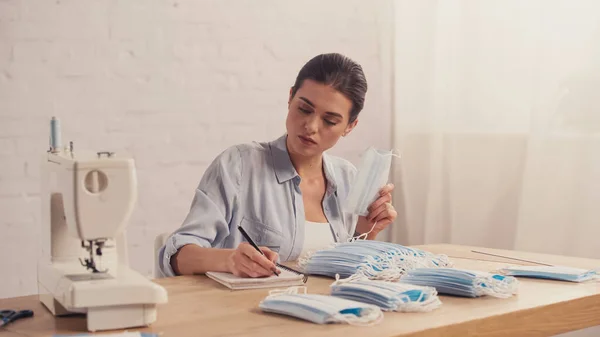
{"points": [[170, 82]]}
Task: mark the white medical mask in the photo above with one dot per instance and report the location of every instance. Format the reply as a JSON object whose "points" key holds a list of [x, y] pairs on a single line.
{"points": [[389, 296], [320, 309], [372, 175], [371, 259], [552, 272], [462, 282]]}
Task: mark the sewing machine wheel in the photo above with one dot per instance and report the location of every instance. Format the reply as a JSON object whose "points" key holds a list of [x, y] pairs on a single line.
{"points": [[96, 181]]}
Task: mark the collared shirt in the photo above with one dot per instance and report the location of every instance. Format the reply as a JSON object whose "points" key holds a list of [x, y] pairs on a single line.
{"points": [[255, 186]]}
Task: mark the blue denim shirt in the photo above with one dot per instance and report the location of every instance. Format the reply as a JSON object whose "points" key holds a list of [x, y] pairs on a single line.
{"points": [[256, 186]]}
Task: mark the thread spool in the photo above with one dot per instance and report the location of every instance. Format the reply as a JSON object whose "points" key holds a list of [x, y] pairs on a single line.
{"points": [[55, 133]]}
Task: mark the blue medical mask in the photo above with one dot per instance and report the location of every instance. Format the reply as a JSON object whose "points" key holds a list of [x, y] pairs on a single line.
{"points": [[462, 282], [320, 309], [371, 259], [372, 175], [389, 296], [552, 273]]}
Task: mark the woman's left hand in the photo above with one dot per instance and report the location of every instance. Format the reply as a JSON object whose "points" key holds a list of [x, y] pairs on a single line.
{"points": [[381, 212]]}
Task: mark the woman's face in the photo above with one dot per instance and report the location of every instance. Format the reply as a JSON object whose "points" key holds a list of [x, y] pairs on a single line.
{"points": [[318, 116]]}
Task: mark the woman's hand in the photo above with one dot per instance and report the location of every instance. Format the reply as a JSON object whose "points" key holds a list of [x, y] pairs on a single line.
{"points": [[381, 212], [246, 261]]}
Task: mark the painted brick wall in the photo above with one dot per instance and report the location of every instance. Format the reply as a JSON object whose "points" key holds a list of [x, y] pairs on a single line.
{"points": [[172, 83]]}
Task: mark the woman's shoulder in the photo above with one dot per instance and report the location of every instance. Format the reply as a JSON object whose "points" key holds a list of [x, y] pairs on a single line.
{"points": [[234, 160], [238, 153], [252, 148]]}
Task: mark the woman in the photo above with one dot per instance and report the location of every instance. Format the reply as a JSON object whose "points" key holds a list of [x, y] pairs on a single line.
{"points": [[286, 194]]}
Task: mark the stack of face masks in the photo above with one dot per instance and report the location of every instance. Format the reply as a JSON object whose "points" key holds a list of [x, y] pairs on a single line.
{"points": [[389, 296], [372, 175], [370, 259], [320, 309], [462, 282], [552, 273]]}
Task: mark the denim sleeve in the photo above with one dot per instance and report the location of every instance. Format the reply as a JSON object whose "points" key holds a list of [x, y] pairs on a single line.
{"points": [[207, 222]]}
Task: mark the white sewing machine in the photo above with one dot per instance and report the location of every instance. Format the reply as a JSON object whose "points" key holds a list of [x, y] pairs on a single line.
{"points": [[87, 199]]}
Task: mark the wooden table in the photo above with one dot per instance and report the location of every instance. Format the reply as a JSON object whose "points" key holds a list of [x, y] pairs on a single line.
{"points": [[199, 306]]}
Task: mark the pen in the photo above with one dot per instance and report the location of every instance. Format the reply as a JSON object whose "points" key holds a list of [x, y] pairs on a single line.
{"points": [[250, 241]]}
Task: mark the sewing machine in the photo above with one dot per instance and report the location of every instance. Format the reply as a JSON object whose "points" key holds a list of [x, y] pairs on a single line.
{"points": [[87, 200]]}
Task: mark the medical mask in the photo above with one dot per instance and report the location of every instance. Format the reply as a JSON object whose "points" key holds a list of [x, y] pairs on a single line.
{"points": [[372, 175], [559, 273], [389, 296], [320, 309], [462, 282], [370, 259]]}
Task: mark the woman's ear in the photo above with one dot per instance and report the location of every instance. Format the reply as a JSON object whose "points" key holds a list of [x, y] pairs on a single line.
{"points": [[290, 96], [350, 127]]}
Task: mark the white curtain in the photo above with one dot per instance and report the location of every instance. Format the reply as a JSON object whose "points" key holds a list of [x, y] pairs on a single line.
{"points": [[497, 119]]}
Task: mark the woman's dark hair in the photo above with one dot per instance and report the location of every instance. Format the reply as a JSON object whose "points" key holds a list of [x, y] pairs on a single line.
{"points": [[341, 73]]}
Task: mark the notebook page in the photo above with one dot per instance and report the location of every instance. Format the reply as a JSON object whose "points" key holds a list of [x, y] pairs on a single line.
{"points": [[286, 278], [230, 278]]}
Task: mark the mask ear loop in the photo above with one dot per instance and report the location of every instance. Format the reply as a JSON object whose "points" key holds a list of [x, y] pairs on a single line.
{"points": [[501, 271], [354, 277], [363, 236], [442, 261], [391, 267], [393, 154], [373, 317], [431, 303], [288, 291], [384, 269], [304, 260], [496, 288]]}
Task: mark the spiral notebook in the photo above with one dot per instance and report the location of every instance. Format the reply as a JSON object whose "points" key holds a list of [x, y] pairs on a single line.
{"points": [[285, 279]]}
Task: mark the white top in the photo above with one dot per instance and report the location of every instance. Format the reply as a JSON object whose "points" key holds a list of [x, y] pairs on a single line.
{"points": [[316, 236]]}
